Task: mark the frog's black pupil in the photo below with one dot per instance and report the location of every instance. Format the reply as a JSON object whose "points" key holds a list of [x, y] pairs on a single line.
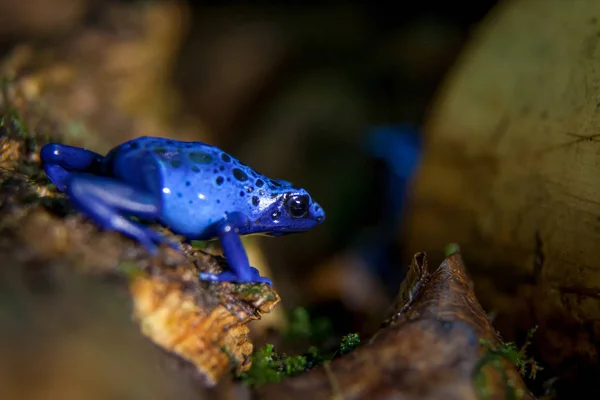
{"points": [[298, 206]]}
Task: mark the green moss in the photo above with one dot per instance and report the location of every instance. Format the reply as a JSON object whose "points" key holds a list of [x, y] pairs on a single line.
{"points": [[269, 366], [253, 290], [508, 351], [349, 343], [518, 356], [479, 382], [269, 296], [247, 289]]}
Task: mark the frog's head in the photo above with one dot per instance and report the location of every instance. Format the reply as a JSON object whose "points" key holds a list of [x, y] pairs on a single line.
{"points": [[288, 209]]}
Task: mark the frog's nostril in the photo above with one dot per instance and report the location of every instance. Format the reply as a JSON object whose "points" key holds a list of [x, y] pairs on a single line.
{"points": [[320, 216], [318, 213]]}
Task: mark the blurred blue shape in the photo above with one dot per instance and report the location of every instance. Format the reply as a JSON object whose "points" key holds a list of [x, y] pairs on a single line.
{"points": [[400, 149], [399, 146]]}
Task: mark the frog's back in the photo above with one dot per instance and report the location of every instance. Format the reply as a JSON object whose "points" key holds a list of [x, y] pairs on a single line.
{"points": [[198, 183], [153, 162]]}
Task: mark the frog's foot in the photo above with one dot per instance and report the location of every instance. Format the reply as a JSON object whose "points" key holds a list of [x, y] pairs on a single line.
{"points": [[110, 202], [234, 252], [230, 276]]}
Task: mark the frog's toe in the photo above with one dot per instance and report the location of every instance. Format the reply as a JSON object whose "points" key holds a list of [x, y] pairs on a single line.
{"points": [[57, 175], [256, 277], [149, 245], [156, 237], [148, 238], [172, 244], [144, 236], [226, 276], [230, 276]]}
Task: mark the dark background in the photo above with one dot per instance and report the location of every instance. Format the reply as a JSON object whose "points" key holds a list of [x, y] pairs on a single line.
{"points": [[293, 90]]}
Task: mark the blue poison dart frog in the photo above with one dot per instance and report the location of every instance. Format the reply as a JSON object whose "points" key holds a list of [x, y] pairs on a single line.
{"points": [[197, 190]]}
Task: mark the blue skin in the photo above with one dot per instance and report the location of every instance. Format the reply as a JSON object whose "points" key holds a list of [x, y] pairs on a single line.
{"points": [[197, 190]]}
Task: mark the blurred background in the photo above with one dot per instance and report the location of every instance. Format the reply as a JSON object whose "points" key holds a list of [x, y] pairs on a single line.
{"points": [[330, 97]]}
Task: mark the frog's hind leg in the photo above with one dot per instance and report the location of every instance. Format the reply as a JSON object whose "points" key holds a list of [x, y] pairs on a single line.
{"points": [[110, 202], [59, 160]]}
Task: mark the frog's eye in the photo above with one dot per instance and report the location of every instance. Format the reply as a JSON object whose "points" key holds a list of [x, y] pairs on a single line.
{"points": [[298, 206]]}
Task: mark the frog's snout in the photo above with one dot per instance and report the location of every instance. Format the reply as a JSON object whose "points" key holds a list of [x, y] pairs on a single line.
{"points": [[318, 213]]}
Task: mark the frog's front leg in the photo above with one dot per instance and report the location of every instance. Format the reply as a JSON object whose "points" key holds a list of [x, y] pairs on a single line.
{"points": [[110, 202], [233, 249], [59, 160]]}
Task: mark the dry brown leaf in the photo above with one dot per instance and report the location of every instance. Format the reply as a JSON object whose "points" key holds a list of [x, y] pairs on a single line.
{"points": [[430, 349]]}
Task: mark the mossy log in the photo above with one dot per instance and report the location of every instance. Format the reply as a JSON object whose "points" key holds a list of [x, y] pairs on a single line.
{"points": [[81, 93]]}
